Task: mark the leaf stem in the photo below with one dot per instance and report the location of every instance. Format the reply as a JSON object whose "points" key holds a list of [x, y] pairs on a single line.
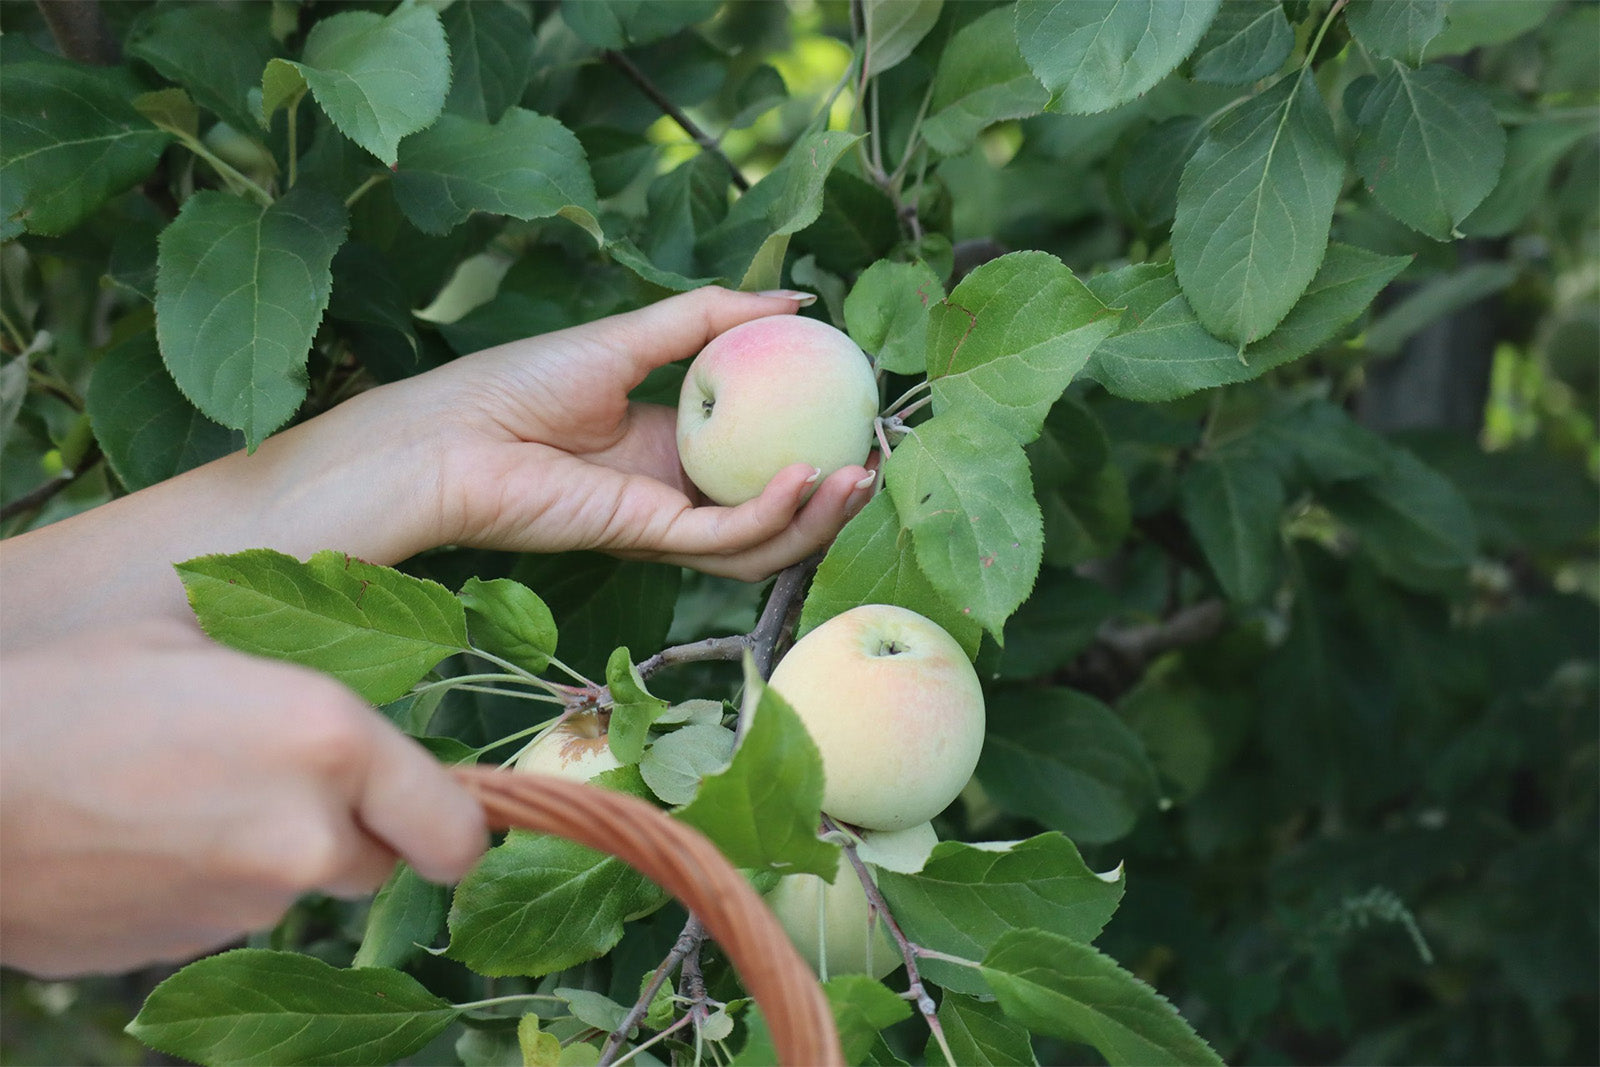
{"points": [[361, 190], [1316, 42], [229, 174], [479, 1005], [662, 1036], [518, 694], [294, 143], [944, 957], [525, 675], [16, 334], [907, 395]]}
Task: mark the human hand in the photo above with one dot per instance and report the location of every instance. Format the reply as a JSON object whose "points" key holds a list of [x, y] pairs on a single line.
{"points": [[544, 452], [180, 794]]}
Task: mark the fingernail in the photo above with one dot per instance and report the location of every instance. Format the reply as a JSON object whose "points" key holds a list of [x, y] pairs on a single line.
{"points": [[816, 472], [805, 300], [866, 483]]}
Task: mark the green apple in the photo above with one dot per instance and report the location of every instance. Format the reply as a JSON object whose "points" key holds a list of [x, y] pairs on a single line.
{"points": [[771, 393], [833, 921], [895, 709], [578, 749]]}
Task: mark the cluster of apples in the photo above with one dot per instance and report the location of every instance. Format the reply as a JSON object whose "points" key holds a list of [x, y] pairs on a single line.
{"points": [[890, 699]]}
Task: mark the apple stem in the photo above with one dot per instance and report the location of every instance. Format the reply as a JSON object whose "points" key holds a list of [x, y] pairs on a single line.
{"points": [[916, 992], [689, 941]]}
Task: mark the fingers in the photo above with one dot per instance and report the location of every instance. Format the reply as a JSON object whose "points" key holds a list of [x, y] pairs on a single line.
{"points": [[681, 325], [771, 535], [409, 803]]}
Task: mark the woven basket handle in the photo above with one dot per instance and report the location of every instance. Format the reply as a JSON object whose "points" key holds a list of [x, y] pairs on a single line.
{"points": [[684, 863]]}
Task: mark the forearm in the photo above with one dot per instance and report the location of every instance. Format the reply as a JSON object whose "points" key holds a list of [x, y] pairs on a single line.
{"points": [[358, 479]]}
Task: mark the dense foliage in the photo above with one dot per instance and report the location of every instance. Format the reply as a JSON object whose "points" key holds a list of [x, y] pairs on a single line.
{"points": [[1245, 436]]}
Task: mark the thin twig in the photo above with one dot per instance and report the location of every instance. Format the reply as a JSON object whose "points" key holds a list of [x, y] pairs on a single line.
{"points": [[688, 941], [917, 993], [39, 497], [675, 113], [712, 648], [780, 603]]}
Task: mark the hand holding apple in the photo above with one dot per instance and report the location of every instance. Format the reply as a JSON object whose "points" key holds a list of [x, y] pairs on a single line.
{"points": [[771, 393]]}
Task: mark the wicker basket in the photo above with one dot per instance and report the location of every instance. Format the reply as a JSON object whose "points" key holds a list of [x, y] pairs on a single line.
{"points": [[685, 864]]}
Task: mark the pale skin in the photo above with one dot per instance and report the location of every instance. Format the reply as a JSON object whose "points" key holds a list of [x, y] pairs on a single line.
{"points": [[163, 795]]}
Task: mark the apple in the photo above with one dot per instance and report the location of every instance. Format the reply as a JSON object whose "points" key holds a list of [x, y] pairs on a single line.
{"points": [[242, 152], [895, 709], [835, 915], [578, 749], [770, 393]]}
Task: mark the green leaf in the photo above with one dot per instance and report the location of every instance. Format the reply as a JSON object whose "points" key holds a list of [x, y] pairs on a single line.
{"points": [[147, 430], [1487, 22], [600, 603], [506, 618], [378, 77], [981, 79], [1346, 284], [220, 76], [1435, 299], [1067, 761], [405, 917], [170, 110], [240, 289], [861, 1008], [1083, 496], [1163, 352], [1234, 505], [886, 313], [980, 1035], [539, 1049], [1096, 54], [491, 58], [1318, 443], [967, 897], [626, 23], [1149, 178], [69, 141], [594, 1009], [1522, 498], [1069, 990], [873, 560], [961, 486], [1055, 624], [894, 28], [1397, 29], [252, 1006], [784, 202], [1009, 339], [538, 904], [373, 628], [1247, 41], [856, 227], [1428, 146], [633, 708], [370, 302], [527, 166], [1533, 150], [1413, 523], [764, 810], [1254, 207], [675, 764]]}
